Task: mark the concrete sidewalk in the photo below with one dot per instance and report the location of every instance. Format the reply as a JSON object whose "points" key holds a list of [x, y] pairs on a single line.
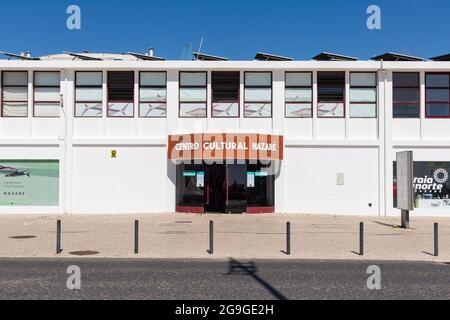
{"points": [[238, 236]]}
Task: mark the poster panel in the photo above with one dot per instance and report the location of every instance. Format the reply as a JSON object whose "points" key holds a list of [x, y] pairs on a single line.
{"points": [[431, 185], [29, 182]]}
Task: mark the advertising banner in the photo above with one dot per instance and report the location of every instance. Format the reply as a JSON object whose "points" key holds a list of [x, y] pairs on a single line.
{"points": [[29, 182], [431, 185]]}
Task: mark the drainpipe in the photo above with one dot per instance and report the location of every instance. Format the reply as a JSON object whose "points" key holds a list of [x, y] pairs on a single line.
{"points": [[383, 72], [63, 142]]}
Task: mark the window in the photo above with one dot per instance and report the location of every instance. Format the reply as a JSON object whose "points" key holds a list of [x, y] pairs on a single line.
{"points": [[363, 95], [225, 94], [47, 94], [14, 94], [193, 95], [152, 94], [438, 95], [331, 95], [406, 102], [258, 95], [298, 94], [89, 94], [121, 94]]}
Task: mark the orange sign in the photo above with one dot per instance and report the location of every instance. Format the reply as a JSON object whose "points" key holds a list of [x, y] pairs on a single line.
{"points": [[226, 146]]}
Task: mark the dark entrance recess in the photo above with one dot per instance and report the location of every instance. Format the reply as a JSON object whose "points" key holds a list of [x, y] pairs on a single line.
{"points": [[225, 188]]}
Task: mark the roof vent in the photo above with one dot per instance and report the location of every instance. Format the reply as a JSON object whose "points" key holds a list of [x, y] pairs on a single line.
{"points": [[445, 57], [149, 56], [208, 57], [326, 56], [390, 56], [261, 56], [21, 56]]}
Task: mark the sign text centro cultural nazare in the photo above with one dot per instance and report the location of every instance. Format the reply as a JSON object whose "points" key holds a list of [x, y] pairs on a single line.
{"points": [[217, 146]]}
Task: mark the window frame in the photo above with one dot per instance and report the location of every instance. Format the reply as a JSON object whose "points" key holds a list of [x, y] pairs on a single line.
{"points": [[151, 87], [2, 85], [120, 101], [238, 98], [87, 87], [45, 86], [344, 115], [259, 87], [407, 102], [363, 87], [298, 87], [192, 87], [436, 102]]}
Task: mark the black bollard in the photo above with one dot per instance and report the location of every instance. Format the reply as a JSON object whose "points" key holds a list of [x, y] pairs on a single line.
{"points": [[136, 236], [361, 239], [288, 238], [436, 239], [58, 237], [211, 237]]}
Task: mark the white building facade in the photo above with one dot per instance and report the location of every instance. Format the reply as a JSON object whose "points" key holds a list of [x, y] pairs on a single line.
{"points": [[92, 137]]}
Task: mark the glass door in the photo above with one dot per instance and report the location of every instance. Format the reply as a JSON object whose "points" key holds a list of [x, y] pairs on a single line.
{"points": [[190, 188], [215, 195], [236, 188]]}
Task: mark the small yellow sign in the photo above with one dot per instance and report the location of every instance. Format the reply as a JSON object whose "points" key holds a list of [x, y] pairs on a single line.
{"points": [[113, 154]]}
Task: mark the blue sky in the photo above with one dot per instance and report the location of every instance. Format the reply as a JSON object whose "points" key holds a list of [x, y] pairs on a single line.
{"points": [[234, 28]]}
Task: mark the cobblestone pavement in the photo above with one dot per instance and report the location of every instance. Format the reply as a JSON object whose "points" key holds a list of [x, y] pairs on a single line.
{"points": [[225, 279]]}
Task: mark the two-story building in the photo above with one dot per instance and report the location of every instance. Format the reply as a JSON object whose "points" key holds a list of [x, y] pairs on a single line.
{"points": [[133, 133]]}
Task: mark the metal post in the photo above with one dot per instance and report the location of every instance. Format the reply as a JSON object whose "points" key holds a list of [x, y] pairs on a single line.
{"points": [[211, 237], [361, 239], [58, 237], [436, 239], [288, 238], [405, 219], [136, 236]]}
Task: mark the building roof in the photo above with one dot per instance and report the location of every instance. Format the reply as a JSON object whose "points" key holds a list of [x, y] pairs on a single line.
{"points": [[327, 56], [208, 57], [391, 56], [444, 57], [261, 56]]}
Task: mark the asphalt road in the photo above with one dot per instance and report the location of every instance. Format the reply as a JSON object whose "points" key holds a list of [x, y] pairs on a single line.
{"points": [[196, 279]]}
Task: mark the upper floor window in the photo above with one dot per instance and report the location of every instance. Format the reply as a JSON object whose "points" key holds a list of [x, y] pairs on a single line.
{"points": [[331, 94], [14, 94], [152, 94], [121, 94], [298, 94], [193, 95], [438, 95], [258, 95], [88, 94], [47, 94], [363, 95], [406, 93], [225, 94]]}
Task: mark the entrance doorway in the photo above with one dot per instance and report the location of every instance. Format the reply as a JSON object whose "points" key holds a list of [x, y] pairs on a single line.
{"points": [[225, 188]]}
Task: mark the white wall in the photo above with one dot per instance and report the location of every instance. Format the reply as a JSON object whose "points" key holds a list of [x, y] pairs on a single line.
{"points": [[312, 185], [130, 183]]}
